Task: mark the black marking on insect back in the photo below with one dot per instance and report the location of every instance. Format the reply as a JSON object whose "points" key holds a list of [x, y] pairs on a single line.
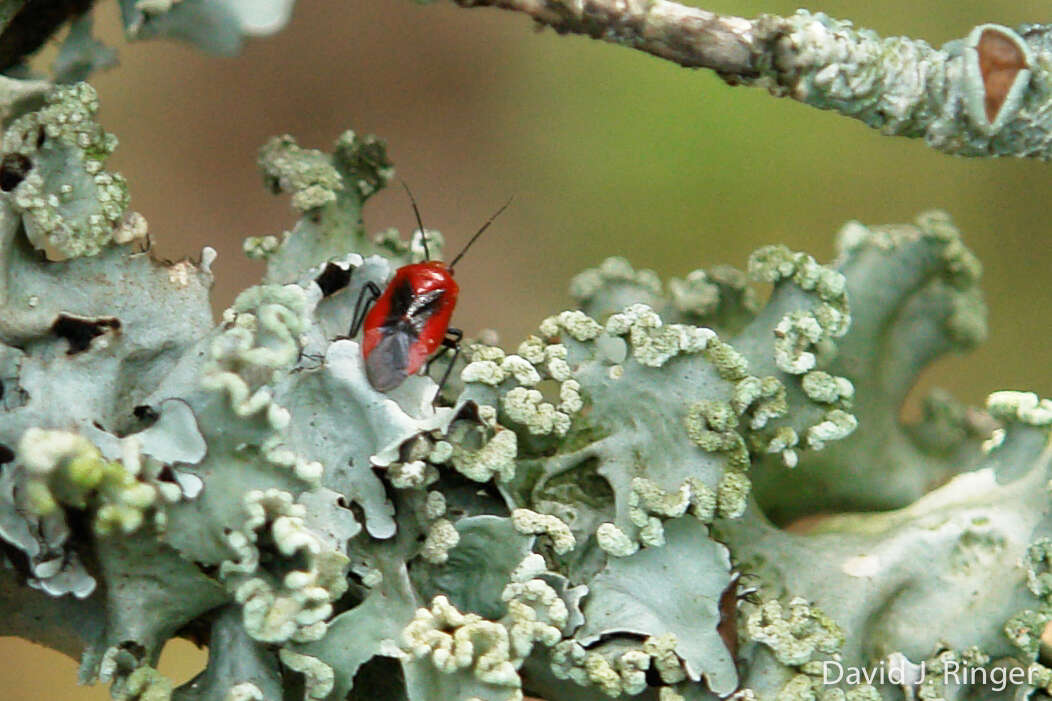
{"points": [[387, 364], [409, 311], [401, 300], [333, 279], [420, 312], [424, 304], [6, 454], [80, 332]]}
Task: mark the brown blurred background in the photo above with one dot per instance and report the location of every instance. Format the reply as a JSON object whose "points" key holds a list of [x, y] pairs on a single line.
{"points": [[607, 151]]}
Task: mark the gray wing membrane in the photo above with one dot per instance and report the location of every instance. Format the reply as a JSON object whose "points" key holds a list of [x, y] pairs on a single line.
{"points": [[386, 364]]}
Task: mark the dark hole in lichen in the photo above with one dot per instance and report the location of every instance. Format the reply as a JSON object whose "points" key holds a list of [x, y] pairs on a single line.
{"points": [[41, 136], [6, 454], [1, 389], [353, 597], [17, 558], [271, 557], [145, 413], [459, 490], [358, 512], [728, 607], [13, 170], [1000, 61], [209, 570], [133, 648], [468, 412], [333, 279], [653, 677], [379, 678], [80, 332], [614, 637], [582, 483], [294, 684]]}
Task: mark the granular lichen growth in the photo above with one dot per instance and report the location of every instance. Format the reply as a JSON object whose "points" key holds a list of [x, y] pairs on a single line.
{"points": [[588, 515]]}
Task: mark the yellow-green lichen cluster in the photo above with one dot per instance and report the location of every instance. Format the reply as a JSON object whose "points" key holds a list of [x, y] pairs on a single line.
{"points": [[65, 470]]}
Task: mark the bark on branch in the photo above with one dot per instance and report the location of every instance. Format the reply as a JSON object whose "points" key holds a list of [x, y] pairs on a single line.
{"points": [[989, 94], [689, 36]]}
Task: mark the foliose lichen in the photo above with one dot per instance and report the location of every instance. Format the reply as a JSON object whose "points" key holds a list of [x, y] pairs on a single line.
{"points": [[594, 515]]}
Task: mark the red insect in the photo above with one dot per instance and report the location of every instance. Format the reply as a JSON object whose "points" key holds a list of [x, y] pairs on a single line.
{"points": [[410, 318]]}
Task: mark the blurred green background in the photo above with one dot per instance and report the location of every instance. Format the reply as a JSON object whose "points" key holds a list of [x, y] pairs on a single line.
{"points": [[607, 151]]}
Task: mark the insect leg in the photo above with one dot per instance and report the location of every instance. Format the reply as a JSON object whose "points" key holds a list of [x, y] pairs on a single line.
{"points": [[451, 342], [319, 359], [369, 294]]}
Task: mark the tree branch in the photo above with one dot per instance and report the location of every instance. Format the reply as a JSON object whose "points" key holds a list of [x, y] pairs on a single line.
{"points": [[984, 95], [689, 36]]}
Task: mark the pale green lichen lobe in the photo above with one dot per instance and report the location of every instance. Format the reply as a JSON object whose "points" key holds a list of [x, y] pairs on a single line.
{"points": [[306, 173], [797, 634], [533, 523], [69, 205], [454, 641]]}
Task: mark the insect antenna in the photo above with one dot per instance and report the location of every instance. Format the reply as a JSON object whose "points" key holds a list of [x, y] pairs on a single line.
{"points": [[419, 222], [479, 233]]}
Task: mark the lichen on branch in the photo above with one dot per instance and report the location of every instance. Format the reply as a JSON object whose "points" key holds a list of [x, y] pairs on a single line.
{"points": [[588, 514], [987, 94]]}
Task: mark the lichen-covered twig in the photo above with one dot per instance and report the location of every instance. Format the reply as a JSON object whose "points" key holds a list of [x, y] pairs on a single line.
{"points": [[988, 94], [689, 36]]}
